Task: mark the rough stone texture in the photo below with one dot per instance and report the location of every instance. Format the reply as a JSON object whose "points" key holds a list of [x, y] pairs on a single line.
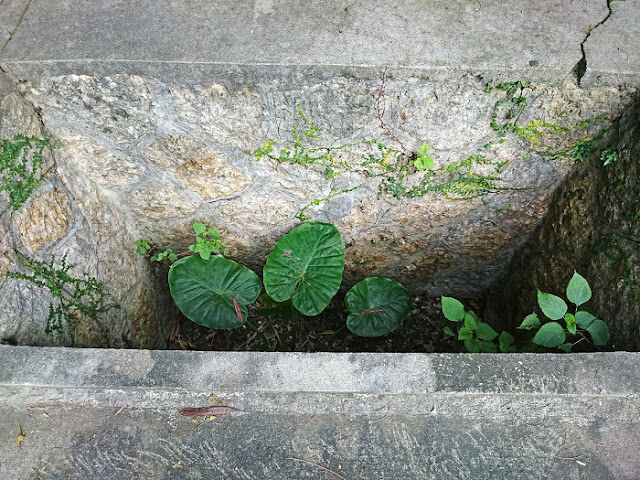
{"points": [[611, 52], [593, 226], [153, 112], [115, 414]]}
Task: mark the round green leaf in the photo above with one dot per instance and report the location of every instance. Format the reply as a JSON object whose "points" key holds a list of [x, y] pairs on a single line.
{"points": [[553, 307], [550, 335], [453, 310], [377, 306], [578, 290], [199, 227], [205, 291], [599, 332], [306, 266]]}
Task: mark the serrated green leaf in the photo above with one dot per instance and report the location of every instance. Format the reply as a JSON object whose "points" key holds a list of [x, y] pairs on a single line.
{"points": [[530, 321], [550, 335], [199, 227], [377, 306], [452, 309], [472, 345], [464, 334], [506, 338], [485, 332], [584, 319], [578, 290], [552, 306], [572, 328], [599, 332], [448, 332], [470, 321]]}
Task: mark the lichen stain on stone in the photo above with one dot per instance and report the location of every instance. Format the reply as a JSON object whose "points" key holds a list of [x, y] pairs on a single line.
{"points": [[7, 254], [99, 164], [425, 214], [160, 202], [196, 168], [44, 220]]}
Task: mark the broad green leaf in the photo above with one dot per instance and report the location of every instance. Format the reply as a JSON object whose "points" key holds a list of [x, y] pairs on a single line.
{"points": [[199, 227], [453, 310], [550, 335], [553, 307], [584, 319], [488, 347], [205, 291], [377, 306], [599, 332], [470, 321], [306, 266], [464, 334], [578, 290], [485, 332], [529, 322], [472, 345], [448, 332]]}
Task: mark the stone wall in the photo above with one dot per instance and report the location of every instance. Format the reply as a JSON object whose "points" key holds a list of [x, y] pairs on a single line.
{"points": [[593, 227], [154, 127]]}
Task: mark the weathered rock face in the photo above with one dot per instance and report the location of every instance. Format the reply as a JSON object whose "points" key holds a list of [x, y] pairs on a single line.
{"points": [[592, 226], [138, 158], [181, 113]]}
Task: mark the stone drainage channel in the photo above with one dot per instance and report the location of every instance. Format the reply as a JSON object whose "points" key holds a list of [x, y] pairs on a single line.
{"points": [[455, 168]]}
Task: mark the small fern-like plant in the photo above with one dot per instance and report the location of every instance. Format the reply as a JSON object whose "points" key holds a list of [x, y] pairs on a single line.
{"points": [[73, 296], [21, 168]]}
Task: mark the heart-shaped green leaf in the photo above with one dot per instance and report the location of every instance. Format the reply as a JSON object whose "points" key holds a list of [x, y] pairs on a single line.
{"points": [[599, 332], [377, 306], [552, 306], [550, 335], [578, 290], [306, 266], [213, 292], [452, 309]]}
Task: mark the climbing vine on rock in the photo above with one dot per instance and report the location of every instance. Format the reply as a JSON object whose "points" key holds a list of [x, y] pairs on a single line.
{"points": [[21, 168], [73, 296]]}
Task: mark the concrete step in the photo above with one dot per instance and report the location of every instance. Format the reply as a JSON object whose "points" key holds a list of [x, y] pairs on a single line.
{"points": [[114, 414]]}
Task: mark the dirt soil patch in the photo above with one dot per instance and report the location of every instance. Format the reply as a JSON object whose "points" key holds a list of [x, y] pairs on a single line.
{"points": [[421, 332]]}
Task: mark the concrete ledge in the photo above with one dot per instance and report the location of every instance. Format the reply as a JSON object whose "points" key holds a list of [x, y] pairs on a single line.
{"points": [[536, 41], [115, 414]]}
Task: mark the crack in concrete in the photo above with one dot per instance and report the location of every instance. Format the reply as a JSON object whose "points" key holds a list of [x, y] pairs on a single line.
{"points": [[581, 67], [15, 29]]}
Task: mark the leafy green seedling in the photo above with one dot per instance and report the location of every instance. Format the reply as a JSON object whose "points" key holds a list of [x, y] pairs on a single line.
{"points": [[208, 241], [563, 323], [476, 335], [423, 161], [377, 306]]}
